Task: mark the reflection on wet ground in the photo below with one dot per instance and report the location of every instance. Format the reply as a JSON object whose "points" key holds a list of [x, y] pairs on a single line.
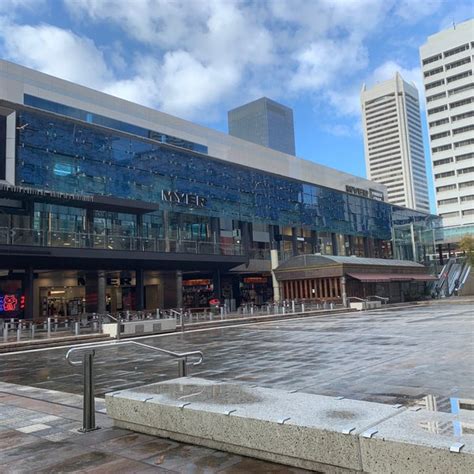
{"points": [[395, 356], [220, 394]]}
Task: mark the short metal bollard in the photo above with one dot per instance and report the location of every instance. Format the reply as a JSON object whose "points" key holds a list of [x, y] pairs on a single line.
{"points": [[77, 328], [302, 307], [5, 332], [293, 309], [33, 329], [49, 327], [182, 368], [88, 415], [18, 332]]}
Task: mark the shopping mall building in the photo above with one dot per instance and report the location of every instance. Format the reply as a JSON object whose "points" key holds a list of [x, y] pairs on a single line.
{"points": [[109, 205]]}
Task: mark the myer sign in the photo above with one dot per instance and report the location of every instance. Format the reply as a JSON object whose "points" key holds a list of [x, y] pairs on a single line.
{"points": [[183, 198]]}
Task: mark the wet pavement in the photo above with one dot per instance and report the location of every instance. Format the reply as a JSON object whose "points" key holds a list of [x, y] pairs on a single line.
{"points": [[39, 433], [398, 355]]}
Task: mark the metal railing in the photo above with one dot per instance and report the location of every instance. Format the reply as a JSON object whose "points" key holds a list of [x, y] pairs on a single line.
{"points": [[383, 299], [87, 362], [43, 238], [186, 316]]}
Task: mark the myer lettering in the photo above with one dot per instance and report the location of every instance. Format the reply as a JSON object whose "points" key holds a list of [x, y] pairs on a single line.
{"points": [[183, 198], [357, 191]]}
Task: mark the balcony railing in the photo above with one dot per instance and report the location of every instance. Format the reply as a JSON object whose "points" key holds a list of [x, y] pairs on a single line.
{"points": [[39, 238]]}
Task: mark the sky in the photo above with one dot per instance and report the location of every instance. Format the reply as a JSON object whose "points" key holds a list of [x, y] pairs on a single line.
{"points": [[197, 59]]}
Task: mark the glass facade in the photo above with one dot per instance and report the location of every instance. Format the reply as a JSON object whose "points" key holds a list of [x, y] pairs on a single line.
{"points": [[97, 119], [68, 156]]}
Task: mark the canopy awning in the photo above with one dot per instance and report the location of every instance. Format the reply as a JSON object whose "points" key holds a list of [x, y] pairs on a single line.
{"points": [[388, 277]]}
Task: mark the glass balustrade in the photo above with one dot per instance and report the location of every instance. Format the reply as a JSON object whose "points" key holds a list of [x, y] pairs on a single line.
{"points": [[32, 237]]}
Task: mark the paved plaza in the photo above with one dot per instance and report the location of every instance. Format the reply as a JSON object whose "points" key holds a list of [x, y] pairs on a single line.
{"points": [[39, 433], [397, 355]]}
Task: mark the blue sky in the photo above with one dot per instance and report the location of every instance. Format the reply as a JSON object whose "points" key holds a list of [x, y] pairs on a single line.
{"points": [[197, 59]]}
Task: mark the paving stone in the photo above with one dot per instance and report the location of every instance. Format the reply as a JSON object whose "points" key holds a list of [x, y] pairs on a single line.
{"points": [[390, 356], [33, 428]]}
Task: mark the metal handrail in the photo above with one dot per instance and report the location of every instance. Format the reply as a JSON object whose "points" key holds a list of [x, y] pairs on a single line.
{"points": [[177, 355], [356, 298], [88, 416], [381, 298]]}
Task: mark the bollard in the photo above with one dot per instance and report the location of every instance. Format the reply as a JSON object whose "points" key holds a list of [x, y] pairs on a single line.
{"points": [[251, 310], [292, 306], [182, 368], [18, 332], [49, 327], [55, 324], [283, 309], [117, 336], [331, 306], [77, 329], [158, 313], [88, 415], [5, 332], [33, 329], [302, 307]]}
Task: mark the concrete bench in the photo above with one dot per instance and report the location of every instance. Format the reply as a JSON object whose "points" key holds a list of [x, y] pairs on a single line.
{"points": [[303, 430]]}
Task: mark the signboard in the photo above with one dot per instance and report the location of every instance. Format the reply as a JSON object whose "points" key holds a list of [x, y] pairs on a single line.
{"points": [[11, 304], [44, 193], [370, 193], [177, 197], [258, 280]]}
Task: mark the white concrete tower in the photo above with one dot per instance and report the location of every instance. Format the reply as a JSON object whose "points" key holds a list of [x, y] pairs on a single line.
{"points": [[447, 64], [393, 141]]}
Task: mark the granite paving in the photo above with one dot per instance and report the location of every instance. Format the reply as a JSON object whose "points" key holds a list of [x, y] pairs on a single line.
{"points": [[395, 355], [60, 447]]}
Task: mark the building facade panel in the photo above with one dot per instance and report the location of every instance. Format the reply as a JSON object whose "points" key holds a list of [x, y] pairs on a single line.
{"points": [[449, 104]]}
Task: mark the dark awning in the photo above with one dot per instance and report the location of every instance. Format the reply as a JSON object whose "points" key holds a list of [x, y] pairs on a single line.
{"points": [[388, 277]]}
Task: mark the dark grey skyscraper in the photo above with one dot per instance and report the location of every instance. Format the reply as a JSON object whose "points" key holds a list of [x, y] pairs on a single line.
{"points": [[264, 122]]}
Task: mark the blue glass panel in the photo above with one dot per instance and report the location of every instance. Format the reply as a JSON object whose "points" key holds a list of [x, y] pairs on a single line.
{"points": [[62, 155]]}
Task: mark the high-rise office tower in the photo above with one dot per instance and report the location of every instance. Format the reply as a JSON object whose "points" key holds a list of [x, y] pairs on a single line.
{"points": [[393, 142], [447, 64], [264, 122]]}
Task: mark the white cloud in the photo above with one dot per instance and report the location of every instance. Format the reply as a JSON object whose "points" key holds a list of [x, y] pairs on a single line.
{"points": [[193, 58], [57, 52], [323, 61]]}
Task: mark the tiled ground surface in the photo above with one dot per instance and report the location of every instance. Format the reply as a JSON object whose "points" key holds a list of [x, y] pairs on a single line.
{"points": [[391, 356], [38, 434]]}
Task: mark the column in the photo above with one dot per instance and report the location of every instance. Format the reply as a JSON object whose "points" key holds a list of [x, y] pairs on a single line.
{"points": [[216, 283], [101, 288], [139, 222], [274, 264], [294, 241], [343, 291], [351, 244], [367, 252], [89, 228], [335, 249], [28, 293], [246, 237], [236, 290], [413, 243], [440, 253], [179, 289], [139, 289]]}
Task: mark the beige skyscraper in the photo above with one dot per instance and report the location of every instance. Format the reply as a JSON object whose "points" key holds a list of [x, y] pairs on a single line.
{"points": [[393, 141], [447, 64]]}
